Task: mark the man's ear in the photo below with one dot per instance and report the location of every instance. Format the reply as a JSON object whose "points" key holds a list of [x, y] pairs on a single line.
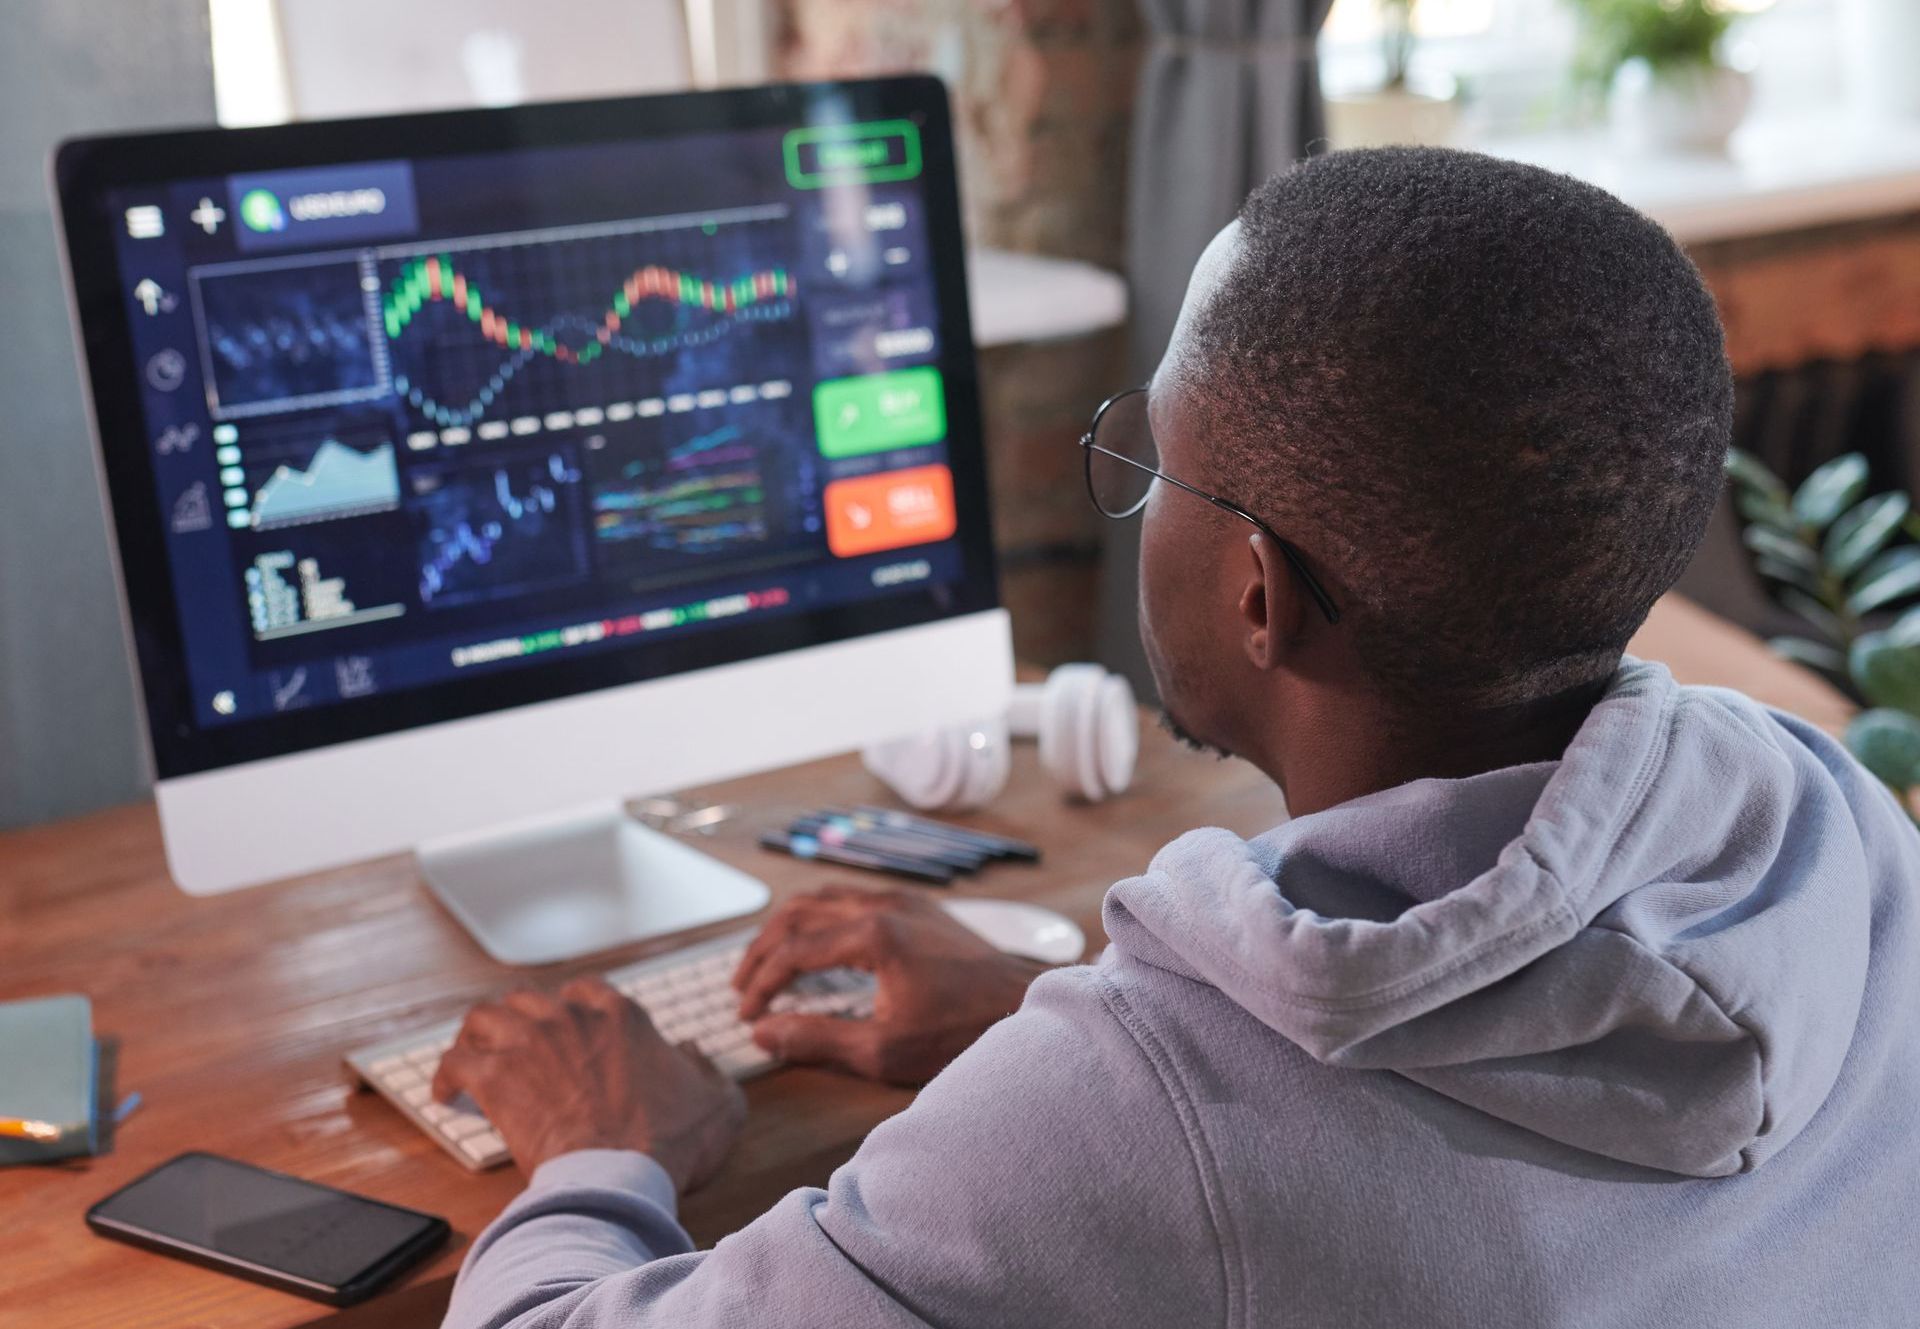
{"points": [[1272, 609]]}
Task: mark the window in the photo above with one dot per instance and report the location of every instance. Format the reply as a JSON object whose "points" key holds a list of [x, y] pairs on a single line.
{"points": [[1511, 59]]}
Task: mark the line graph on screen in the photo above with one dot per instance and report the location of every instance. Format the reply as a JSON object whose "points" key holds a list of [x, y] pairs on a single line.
{"points": [[543, 324]]}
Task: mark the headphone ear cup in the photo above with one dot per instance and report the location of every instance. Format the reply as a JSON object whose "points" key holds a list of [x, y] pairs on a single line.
{"points": [[927, 771], [1058, 735], [988, 760], [1086, 733], [1118, 721], [1065, 722]]}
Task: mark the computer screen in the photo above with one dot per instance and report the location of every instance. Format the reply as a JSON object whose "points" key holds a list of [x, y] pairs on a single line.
{"points": [[524, 402]]}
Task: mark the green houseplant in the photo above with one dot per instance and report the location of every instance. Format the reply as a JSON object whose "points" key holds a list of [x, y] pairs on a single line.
{"points": [[1659, 62], [1848, 565]]}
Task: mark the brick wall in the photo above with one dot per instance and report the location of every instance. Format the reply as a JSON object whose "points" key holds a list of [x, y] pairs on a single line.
{"points": [[1832, 293]]}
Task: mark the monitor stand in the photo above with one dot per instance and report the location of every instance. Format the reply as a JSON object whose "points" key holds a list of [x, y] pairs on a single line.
{"points": [[586, 881]]}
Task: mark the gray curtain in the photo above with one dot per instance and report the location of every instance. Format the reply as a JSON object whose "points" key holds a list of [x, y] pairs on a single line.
{"points": [[67, 730], [1229, 93]]}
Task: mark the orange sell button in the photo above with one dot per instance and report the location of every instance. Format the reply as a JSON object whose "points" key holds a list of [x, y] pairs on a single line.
{"points": [[886, 511]]}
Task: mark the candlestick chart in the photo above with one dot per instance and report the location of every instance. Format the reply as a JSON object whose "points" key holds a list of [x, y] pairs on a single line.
{"points": [[497, 330]]}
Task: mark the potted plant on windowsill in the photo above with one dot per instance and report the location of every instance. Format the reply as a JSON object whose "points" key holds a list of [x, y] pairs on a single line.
{"points": [[1848, 566], [1395, 112], [1659, 63]]}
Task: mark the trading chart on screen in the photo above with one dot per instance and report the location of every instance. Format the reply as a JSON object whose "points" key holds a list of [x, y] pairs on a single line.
{"points": [[436, 416]]}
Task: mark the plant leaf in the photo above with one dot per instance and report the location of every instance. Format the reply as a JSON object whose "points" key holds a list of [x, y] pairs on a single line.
{"points": [[1862, 531], [1888, 744], [1766, 510], [1787, 574], [1765, 540], [1750, 473], [1823, 619], [1813, 654], [1905, 630], [1898, 556], [1894, 574], [1887, 672], [1831, 490]]}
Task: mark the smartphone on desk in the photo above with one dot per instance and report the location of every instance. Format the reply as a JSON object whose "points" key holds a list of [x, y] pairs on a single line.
{"points": [[296, 1235]]}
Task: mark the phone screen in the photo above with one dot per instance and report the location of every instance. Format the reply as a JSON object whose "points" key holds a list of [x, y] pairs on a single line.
{"points": [[264, 1219]]}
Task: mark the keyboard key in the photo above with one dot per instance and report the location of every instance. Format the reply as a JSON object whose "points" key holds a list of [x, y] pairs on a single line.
{"points": [[406, 1077], [387, 1066], [459, 1125], [482, 1148], [743, 1059]]}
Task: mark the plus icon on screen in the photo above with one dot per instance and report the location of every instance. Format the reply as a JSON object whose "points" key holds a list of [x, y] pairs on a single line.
{"points": [[207, 216]]}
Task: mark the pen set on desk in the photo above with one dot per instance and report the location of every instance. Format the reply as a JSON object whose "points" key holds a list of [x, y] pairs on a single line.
{"points": [[883, 840]]}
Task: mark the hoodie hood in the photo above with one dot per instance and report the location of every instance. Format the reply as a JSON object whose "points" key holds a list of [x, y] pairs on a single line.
{"points": [[1654, 949]]}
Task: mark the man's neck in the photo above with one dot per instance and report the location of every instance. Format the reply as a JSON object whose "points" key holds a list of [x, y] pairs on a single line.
{"points": [[1340, 747]]}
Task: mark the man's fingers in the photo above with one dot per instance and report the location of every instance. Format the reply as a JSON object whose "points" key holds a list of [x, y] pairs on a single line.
{"points": [[801, 914], [532, 1004], [844, 945], [490, 1025], [596, 993], [821, 1040], [450, 1080]]}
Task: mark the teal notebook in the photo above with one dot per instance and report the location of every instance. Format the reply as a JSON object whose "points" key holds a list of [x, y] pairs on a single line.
{"points": [[47, 1062]]}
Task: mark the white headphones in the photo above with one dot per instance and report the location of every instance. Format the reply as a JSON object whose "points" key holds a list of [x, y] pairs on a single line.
{"points": [[1084, 717]]}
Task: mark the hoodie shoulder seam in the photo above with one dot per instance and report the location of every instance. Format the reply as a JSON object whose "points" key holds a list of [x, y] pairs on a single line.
{"points": [[1204, 1164]]}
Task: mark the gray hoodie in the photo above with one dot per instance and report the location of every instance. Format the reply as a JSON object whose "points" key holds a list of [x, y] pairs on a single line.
{"points": [[1630, 1038]]}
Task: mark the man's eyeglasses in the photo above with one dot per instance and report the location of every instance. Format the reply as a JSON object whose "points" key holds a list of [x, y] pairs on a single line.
{"points": [[1123, 461]]}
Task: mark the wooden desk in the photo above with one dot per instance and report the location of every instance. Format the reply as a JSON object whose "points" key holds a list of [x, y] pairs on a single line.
{"points": [[232, 1012]]}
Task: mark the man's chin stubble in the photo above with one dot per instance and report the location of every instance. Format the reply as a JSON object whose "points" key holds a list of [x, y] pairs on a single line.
{"points": [[1188, 740]]}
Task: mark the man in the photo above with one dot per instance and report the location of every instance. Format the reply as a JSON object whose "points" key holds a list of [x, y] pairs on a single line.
{"points": [[1568, 996]]}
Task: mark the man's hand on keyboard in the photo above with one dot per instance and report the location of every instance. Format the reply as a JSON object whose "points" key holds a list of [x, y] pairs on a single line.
{"points": [[939, 985], [587, 1070]]}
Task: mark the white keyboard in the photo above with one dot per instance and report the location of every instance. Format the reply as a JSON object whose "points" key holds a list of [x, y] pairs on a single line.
{"points": [[688, 994]]}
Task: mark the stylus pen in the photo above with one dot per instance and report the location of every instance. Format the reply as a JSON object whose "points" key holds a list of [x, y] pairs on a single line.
{"points": [[806, 846], [937, 832], [952, 856], [843, 830], [999, 845], [973, 850]]}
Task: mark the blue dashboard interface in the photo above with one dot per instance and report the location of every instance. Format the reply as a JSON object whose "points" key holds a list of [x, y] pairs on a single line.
{"points": [[416, 420]]}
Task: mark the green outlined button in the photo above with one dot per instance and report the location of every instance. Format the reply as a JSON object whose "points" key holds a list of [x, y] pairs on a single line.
{"points": [[879, 412], [871, 153]]}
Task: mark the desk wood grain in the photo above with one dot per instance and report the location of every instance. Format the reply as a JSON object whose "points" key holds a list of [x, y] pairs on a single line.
{"points": [[232, 1012]]}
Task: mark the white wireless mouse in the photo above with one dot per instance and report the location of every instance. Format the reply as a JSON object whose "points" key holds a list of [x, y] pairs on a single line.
{"points": [[1020, 929]]}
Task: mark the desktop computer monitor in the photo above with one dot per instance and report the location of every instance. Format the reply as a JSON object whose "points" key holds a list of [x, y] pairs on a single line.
{"points": [[472, 472]]}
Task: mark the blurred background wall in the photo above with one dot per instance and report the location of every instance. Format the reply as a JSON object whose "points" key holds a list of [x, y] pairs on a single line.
{"points": [[67, 723]]}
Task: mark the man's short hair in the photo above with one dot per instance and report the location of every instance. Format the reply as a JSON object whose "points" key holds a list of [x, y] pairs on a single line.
{"points": [[1494, 401]]}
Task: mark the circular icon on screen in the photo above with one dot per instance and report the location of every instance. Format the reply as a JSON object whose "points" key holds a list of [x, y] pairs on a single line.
{"points": [[167, 370], [261, 211]]}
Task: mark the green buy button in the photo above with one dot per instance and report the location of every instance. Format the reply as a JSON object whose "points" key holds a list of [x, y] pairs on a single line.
{"points": [[879, 412]]}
